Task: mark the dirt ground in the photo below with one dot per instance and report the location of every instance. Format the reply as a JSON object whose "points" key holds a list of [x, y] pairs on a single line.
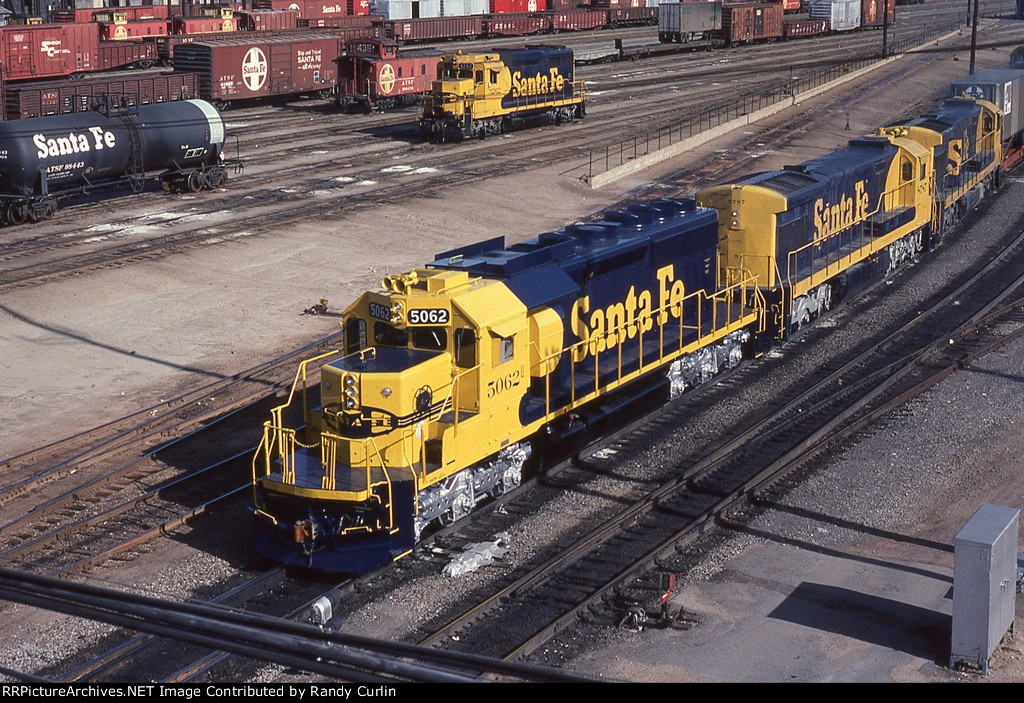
{"points": [[81, 351]]}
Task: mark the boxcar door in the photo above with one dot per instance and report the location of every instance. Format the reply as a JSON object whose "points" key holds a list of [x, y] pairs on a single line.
{"points": [[281, 67]]}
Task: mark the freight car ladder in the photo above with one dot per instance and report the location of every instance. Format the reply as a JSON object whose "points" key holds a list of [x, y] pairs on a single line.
{"points": [[135, 171]]}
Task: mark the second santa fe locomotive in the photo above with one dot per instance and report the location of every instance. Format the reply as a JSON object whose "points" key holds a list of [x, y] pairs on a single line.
{"points": [[476, 95]]}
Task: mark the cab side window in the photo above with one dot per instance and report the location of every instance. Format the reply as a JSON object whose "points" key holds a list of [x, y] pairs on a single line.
{"points": [[465, 348], [355, 335], [504, 349]]}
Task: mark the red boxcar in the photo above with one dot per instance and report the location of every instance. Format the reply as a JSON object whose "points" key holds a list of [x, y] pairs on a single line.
{"points": [[48, 50], [792, 28], [26, 100], [312, 9], [506, 6], [751, 21], [267, 20], [238, 69], [203, 25], [514, 24], [617, 3], [791, 5], [358, 7], [432, 28], [576, 20], [118, 54], [372, 74], [871, 13]]}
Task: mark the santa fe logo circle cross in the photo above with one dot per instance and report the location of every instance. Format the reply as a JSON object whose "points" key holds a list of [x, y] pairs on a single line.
{"points": [[254, 69]]}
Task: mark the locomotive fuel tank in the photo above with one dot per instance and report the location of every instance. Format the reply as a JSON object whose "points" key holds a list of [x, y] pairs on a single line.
{"points": [[42, 155]]}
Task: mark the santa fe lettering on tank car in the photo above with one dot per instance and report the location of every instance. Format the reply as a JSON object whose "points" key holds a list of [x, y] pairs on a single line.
{"points": [[73, 143]]}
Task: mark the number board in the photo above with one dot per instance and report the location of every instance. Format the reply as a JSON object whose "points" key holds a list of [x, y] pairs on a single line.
{"points": [[380, 312], [428, 316]]}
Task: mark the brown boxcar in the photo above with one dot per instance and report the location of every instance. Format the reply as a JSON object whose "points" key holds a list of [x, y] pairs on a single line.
{"points": [[751, 21], [239, 69], [267, 20], [575, 20], [792, 28], [432, 28], [345, 21], [118, 54], [871, 13], [32, 99], [514, 24], [165, 46], [48, 50], [142, 12], [372, 74]]}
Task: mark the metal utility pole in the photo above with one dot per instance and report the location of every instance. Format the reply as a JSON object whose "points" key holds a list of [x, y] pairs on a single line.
{"points": [[885, 25], [974, 38]]}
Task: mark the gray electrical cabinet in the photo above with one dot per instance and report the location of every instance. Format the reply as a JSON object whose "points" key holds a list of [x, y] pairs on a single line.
{"points": [[984, 584]]}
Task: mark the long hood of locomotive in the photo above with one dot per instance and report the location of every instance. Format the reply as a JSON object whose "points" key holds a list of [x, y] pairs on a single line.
{"points": [[90, 146], [606, 275], [775, 213], [540, 75]]}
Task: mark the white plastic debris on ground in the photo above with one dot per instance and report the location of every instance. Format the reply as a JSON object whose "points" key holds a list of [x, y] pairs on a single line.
{"points": [[476, 555]]}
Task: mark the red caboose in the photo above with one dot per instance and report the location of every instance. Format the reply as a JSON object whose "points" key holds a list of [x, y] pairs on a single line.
{"points": [[372, 74]]}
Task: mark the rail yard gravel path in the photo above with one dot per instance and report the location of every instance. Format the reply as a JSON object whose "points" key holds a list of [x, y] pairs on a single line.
{"points": [[92, 348]]}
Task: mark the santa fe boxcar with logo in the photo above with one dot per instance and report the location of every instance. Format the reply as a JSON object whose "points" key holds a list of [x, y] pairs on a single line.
{"points": [[241, 69]]}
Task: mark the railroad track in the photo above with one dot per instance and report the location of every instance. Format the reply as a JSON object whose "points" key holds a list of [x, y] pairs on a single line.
{"points": [[290, 186]]}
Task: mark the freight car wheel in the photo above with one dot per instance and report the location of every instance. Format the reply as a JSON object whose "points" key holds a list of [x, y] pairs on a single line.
{"points": [[16, 213], [195, 182]]}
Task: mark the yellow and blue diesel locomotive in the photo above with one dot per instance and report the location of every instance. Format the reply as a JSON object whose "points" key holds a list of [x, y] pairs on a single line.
{"points": [[476, 95], [809, 233], [449, 373], [450, 376]]}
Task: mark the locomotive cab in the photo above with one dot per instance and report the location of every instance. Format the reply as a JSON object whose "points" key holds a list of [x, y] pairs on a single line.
{"points": [[433, 371]]}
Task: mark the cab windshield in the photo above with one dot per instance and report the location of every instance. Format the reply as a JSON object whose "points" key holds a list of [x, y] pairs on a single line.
{"points": [[429, 338]]}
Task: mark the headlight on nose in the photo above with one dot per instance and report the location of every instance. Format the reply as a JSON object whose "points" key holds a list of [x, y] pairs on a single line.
{"points": [[351, 392]]}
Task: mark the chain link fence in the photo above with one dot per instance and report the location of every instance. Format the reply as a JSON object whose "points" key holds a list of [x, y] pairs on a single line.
{"points": [[603, 159]]}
